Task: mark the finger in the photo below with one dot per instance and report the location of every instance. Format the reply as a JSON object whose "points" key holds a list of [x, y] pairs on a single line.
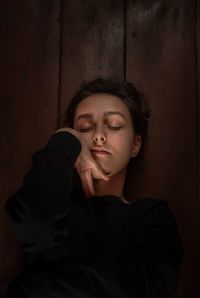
{"points": [[89, 182], [85, 175], [85, 187]]}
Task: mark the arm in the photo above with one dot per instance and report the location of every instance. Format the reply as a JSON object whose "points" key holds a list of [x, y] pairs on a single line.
{"points": [[44, 197], [42, 204]]}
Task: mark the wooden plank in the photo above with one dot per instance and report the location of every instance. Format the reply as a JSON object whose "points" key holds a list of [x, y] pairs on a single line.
{"points": [[198, 132], [161, 62], [92, 44], [28, 98]]}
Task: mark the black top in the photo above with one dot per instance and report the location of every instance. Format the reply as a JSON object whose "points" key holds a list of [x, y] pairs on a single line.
{"points": [[79, 247]]}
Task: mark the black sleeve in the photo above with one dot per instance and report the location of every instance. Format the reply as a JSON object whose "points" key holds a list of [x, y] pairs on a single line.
{"points": [[155, 250], [44, 198]]}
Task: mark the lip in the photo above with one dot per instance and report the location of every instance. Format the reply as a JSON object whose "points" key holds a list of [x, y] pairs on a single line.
{"points": [[100, 151]]}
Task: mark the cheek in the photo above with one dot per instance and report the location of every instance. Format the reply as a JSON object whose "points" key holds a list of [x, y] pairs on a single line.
{"points": [[122, 141], [87, 138]]}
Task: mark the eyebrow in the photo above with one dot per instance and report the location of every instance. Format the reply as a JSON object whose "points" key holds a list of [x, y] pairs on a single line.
{"points": [[91, 116]]}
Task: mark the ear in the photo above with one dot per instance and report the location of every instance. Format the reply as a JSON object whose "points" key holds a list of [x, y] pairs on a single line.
{"points": [[137, 144]]}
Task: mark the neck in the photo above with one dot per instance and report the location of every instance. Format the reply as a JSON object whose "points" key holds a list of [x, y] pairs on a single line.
{"points": [[112, 187]]}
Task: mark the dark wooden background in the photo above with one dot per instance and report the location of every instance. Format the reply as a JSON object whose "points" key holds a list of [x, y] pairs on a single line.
{"points": [[49, 47]]}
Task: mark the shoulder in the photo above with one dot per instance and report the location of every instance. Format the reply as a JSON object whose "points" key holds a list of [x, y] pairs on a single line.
{"points": [[151, 210], [146, 204], [152, 223]]}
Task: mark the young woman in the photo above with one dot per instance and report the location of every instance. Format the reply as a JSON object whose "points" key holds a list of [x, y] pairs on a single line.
{"points": [[80, 235]]}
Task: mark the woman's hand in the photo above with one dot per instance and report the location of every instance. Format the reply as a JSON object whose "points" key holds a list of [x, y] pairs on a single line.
{"points": [[88, 170], [86, 166]]}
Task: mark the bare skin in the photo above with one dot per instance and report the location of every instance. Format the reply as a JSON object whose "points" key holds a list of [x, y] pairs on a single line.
{"points": [[85, 164], [103, 121]]}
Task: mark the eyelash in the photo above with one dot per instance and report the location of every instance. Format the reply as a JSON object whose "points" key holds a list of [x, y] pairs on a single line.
{"points": [[90, 128]]}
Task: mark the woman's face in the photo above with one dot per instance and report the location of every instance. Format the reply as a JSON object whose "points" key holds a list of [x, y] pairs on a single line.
{"points": [[104, 122]]}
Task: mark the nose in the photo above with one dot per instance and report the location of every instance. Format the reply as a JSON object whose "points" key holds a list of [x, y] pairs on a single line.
{"points": [[99, 137]]}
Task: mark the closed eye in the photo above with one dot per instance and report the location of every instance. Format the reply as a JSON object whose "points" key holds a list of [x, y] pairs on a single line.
{"points": [[114, 127], [85, 129]]}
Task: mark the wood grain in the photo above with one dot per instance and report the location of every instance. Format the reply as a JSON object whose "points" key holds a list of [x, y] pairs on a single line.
{"points": [[92, 44], [161, 62], [49, 47], [198, 131], [29, 58]]}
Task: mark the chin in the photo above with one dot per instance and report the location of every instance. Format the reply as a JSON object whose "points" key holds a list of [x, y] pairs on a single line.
{"points": [[111, 171], [106, 171]]}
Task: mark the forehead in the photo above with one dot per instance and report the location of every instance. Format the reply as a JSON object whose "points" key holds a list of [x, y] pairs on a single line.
{"points": [[101, 103]]}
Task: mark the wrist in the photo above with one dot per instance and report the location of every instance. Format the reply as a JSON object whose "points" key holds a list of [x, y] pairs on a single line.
{"points": [[70, 130]]}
